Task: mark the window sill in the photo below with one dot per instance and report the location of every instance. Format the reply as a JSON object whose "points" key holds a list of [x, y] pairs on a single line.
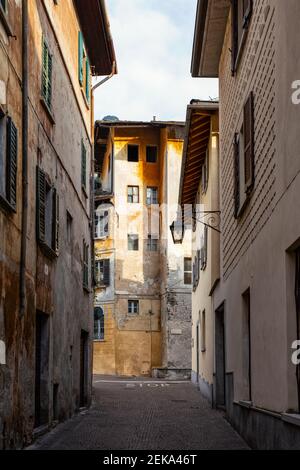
{"points": [[47, 251], [100, 341], [5, 22], [48, 111], [4, 204]]}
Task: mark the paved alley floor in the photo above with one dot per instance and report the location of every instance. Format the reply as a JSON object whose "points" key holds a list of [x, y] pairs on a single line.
{"points": [[144, 415]]}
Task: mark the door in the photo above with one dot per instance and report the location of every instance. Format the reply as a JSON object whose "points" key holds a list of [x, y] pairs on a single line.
{"points": [[220, 358], [198, 351], [41, 370], [83, 368]]}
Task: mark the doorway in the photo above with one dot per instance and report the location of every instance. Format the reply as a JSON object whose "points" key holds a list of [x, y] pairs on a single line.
{"points": [[41, 370], [83, 369], [198, 351], [220, 357]]}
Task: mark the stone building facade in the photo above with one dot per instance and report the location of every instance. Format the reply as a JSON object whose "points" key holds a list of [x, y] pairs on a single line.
{"points": [[142, 304], [256, 303], [47, 54]]}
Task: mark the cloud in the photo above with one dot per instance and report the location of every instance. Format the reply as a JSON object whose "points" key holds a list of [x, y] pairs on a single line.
{"points": [[153, 41]]}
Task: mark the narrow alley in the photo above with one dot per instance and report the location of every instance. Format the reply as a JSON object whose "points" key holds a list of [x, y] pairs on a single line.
{"points": [[165, 416]]}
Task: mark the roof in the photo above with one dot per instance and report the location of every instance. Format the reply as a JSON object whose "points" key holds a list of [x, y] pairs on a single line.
{"points": [[210, 26], [197, 136], [114, 123], [93, 19]]}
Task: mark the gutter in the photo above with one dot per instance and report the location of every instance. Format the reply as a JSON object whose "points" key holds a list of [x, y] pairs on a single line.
{"points": [[24, 157]]}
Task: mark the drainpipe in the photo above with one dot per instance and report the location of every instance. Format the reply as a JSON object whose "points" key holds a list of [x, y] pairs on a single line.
{"points": [[94, 88], [24, 156]]}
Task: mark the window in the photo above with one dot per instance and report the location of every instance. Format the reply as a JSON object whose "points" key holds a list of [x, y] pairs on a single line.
{"points": [[133, 242], [84, 69], [47, 75], [203, 332], [85, 265], [187, 271], [205, 173], [101, 224], [152, 244], [241, 15], [151, 154], [102, 272], [47, 214], [133, 307], [196, 270], [203, 251], [244, 158], [8, 162], [69, 228], [133, 153], [83, 166], [152, 196], [133, 194], [99, 325], [246, 345]]}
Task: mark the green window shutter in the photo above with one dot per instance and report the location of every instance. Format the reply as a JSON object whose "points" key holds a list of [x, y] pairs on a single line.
{"points": [[83, 165], [106, 272], [46, 75], [55, 222], [41, 206], [11, 162], [80, 57], [88, 83]]}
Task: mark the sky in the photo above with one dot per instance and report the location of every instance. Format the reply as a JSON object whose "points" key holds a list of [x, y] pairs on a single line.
{"points": [[153, 41]]}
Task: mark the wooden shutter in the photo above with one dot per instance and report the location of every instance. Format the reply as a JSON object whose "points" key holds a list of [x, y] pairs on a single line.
{"points": [[205, 244], [249, 143], [87, 84], [80, 58], [83, 165], [11, 162], [234, 34], [49, 90], [41, 205], [236, 147], [46, 74], [55, 221], [106, 272]]}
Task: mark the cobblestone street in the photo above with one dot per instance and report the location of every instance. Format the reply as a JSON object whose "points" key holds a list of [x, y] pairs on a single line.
{"points": [[144, 415]]}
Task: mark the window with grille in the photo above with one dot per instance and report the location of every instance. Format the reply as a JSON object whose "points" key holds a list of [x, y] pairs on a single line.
{"points": [[133, 242], [99, 324], [101, 224], [188, 271], [133, 307], [133, 153], [152, 196], [102, 272], [151, 154], [84, 69], [47, 75], [47, 214], [8, 162], [133, 194], [152, 244]]}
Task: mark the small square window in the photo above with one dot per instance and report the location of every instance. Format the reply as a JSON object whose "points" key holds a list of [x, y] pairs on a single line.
{"points": [[133, 242], [133, 153], [152, 196], [133, 194], [133, 307], [151, 154], [152, 244]]}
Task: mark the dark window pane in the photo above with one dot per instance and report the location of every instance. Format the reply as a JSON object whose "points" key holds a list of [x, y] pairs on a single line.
{"points": [[133, 242], [133, 153], [151, 154]]}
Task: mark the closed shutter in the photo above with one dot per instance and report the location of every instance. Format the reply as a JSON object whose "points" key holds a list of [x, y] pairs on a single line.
{"points": [[249, 143], [83, 165], [106, 272], [55, 222], [80, 58], [41, 205], [11, 163], [234, 34], [87, 84], [236, 148], [47, 75]]}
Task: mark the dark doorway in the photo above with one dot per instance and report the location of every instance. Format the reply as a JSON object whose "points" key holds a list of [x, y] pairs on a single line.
{"points": [[42, 370], [246, 347], [297, 298], [198, 351], [220, 358], [83, 368]]}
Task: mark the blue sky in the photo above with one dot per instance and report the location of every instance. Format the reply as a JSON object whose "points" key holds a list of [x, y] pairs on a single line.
{"points": [[153, 41]]}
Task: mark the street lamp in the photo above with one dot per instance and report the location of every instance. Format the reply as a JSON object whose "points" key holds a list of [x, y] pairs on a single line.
{"points": [[177, 230]]}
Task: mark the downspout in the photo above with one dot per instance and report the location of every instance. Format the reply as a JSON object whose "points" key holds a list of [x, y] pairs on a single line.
{"points": [[94, 88], [24, 156]]}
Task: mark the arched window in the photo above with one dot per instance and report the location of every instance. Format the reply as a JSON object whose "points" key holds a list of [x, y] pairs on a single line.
{"points": [[98, 324]]}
